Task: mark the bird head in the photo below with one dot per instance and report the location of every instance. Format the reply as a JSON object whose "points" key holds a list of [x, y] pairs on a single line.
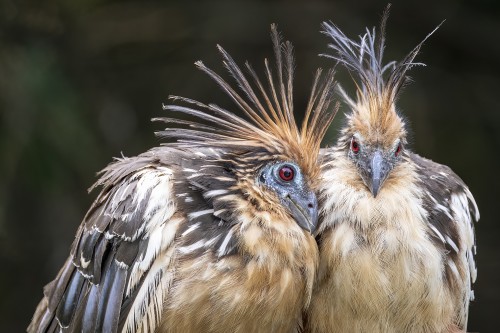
{"points": [[374, 138], [271, 160], [284, 183]]}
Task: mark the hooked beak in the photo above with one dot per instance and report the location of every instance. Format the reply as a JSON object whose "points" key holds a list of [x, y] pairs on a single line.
{"points": [[304, 209], [375, 170]]}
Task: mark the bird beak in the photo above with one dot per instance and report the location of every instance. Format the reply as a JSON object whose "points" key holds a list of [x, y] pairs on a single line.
{"points": [[304, 209], [375, 171]]}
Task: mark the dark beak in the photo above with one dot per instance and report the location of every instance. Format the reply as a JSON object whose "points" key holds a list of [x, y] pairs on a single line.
{"points": [[376, 168], [304, 209]]}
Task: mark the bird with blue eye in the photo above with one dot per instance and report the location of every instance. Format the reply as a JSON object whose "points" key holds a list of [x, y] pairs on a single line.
{"points": [[212, 232]]}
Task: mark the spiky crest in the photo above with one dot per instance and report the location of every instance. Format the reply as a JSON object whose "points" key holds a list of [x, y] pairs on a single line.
{"points": [[270, 128], [374, 113]]}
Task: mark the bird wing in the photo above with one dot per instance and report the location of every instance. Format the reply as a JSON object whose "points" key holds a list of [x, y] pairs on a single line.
{"points": [[451, 211], [119, 266]]}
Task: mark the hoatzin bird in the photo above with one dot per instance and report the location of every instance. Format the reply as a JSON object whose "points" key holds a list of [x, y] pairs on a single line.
{"points": [[210, 233], [396, 235]]}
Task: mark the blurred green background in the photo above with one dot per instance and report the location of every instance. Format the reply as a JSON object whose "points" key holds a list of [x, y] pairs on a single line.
{"points": [[80, 80]]}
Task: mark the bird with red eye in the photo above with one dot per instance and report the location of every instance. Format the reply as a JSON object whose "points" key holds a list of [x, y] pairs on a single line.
{"points": [[286, 173], [398, 150], [287, 181], [396, 237], [354, 146]]}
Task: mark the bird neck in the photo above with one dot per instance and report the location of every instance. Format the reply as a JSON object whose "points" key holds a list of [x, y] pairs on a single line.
{"points": [[344, 191]]}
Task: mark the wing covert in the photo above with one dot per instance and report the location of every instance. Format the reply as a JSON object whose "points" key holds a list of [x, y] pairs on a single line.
{"points": [[452, 211], [103, 285]]}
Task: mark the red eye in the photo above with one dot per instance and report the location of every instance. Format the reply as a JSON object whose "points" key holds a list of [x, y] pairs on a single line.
{"points": [[398, 150], [354, 146], [286, 173]]}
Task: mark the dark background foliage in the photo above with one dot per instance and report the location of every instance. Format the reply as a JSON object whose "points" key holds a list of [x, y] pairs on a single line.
{"points": [[80, 80]]}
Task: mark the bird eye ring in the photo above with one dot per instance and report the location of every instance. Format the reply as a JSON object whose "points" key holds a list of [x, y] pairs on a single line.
{"points": [[286, 173], [354, 146]]}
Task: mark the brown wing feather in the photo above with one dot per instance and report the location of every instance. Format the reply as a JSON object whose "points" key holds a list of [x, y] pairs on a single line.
{"points": [[452, 211], [119, 268], [98, 277]]}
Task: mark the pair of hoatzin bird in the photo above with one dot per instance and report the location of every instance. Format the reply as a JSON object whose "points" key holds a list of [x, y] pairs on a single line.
{"points": [[244, 224]]}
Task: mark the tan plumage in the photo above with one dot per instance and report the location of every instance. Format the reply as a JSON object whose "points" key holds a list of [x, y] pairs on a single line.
{"points": [[211, 233], [396, 237]]}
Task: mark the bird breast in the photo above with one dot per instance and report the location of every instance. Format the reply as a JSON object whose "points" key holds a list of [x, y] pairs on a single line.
{"points": [[378, 261], [269, 280]]}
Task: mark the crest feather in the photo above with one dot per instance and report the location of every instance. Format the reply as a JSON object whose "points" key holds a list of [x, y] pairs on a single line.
{"points": [[269, 124], [378, 83]]}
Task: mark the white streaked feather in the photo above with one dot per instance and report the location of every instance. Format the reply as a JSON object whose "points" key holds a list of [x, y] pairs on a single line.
{"points": [[460, 207], [198, 185], [222, 249], [228, 197], [160, 205], [147, 180], [214, 193], [434, 229], [193, 247], [212, 241], [444, 210], [472, 265], [194, 175], [198, 245], [191, 228], [153, 184], [160, 241], [145, 261], [204, 166], [439, 206], [224, 179], [452, 244], [218, 212], [123, 190], [197, 214], [454, 269], [471, 198], [147, 307]]}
